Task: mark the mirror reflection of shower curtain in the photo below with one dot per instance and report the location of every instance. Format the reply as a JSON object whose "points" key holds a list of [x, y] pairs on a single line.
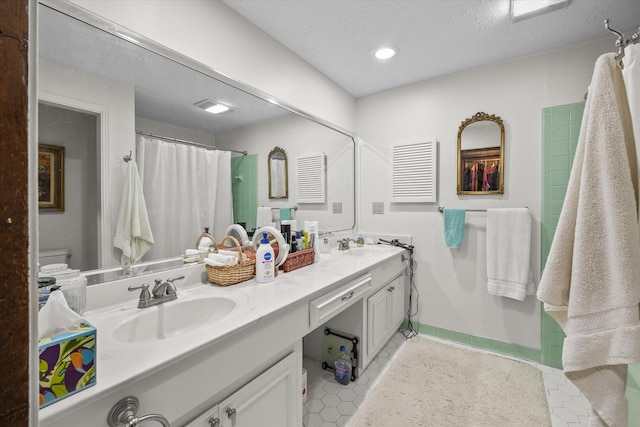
{"points": [[631, 74], [186, 188]]}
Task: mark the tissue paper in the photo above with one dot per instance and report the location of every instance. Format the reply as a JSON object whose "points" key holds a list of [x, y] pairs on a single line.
{"points": [[56, 317]]}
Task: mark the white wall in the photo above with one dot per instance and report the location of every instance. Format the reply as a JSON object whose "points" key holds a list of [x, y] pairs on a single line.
{"points": [[215, 35], [452, 282], [115, 102], [298, 136]]}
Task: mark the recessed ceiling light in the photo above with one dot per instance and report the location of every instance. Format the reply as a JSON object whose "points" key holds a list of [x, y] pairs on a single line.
{"points": [[213, 107], [522, 9], [385, 52]]}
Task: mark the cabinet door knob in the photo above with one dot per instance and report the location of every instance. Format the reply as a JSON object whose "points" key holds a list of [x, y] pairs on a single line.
{"points": [[214, 422], [231, 412], [391, 289]]}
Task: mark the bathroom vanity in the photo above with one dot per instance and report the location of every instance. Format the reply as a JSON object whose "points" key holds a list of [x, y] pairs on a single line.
{"points": [[222, 356]]}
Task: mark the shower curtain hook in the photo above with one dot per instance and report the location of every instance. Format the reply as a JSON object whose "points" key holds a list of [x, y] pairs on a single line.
{"points": [[620, 42]]}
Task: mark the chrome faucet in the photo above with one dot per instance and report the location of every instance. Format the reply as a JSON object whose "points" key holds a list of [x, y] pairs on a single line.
{"points": [[161, 292], [343, 244]]}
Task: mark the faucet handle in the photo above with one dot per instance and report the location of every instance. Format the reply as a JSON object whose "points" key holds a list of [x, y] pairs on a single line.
{"points": [[171, 289], [175, 278], [144, 294]]}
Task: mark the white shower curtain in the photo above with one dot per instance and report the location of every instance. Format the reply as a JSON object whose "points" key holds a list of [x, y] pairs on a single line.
{"points": [[631, 75], [186, 188]]}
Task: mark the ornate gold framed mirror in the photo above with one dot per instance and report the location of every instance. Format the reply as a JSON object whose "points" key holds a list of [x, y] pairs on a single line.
{"points": [[278, 175], [481, 155]]}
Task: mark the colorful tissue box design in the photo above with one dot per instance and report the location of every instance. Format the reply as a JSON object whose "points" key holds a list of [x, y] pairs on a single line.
{"points": [[67, 363]]}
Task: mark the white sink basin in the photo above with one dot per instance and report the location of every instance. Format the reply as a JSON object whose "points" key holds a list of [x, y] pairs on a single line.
{"points": [[364, 250], [172, 319]]}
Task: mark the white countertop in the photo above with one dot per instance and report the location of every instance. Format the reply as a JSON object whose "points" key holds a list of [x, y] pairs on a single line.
{"points": [[119, 363]]}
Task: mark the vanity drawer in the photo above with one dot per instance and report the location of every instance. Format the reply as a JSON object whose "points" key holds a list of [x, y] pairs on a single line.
{"points": [[325, 307]]}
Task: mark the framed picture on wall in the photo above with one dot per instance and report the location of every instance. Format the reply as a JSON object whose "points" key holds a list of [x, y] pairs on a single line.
{"points": [[51, 177]]}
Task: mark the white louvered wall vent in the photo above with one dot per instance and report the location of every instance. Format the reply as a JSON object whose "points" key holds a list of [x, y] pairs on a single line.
{"points": [[414, 172], [311, 178]]}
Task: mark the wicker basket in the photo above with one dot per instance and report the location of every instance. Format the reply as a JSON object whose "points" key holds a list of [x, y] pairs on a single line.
{"points": [[298, 260], [230, 275], [202, 236]]}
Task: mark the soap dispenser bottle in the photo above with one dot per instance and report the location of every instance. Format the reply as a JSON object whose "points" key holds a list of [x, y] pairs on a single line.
{"points": [[265, 262]]}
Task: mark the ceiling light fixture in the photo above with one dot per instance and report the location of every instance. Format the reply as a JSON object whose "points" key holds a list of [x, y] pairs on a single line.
{"points": [[212, 107], [386, 52], [523, 9]]}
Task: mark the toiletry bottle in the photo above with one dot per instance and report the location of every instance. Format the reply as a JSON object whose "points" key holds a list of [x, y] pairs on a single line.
{"points": [[299, 240], [342, 367], [265, 261], [326, 247]]}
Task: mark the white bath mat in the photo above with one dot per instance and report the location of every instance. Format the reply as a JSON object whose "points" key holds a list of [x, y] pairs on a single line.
{"points": [[435, 384]]}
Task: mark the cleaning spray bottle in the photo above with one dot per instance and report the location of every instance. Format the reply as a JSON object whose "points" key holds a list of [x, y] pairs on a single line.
{"points": [[265, 261]]}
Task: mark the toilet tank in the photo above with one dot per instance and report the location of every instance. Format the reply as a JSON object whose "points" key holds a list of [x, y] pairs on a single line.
{"points": [[54, 256]]}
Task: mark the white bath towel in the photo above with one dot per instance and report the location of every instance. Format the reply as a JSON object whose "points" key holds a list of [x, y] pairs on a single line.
{"points": [[218, 260], [591, 283], [508, 253], [133, 231], [264, 216]]}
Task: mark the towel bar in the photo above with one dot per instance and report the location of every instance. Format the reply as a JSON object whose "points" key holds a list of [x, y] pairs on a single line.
{"points": [[441, 209]]}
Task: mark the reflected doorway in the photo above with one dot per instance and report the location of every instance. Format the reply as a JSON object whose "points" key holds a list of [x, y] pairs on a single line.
{"points": [[73, 231]]}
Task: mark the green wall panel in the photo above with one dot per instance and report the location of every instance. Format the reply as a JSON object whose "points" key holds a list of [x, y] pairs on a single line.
{"points": [[244, 187]]}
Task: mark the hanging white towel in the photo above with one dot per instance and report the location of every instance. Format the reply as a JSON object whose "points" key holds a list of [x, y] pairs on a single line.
{"points": [[508, 253], [591, 282], [133, 232], [264, 216]]}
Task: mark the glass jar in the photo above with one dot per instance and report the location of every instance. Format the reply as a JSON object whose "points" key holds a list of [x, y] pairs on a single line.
{"points": [[74, 288]]}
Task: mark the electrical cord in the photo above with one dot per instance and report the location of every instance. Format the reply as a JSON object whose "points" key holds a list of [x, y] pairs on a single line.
{"points": [[409, 331]]}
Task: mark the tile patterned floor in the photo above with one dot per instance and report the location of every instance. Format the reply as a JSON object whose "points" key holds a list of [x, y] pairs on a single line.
{"points": [[330, 404]]}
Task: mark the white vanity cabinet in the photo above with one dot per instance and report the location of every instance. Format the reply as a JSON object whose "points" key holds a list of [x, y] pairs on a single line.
{"points": [[374, 312], [270, 399], [245, 369], [385, 312]]}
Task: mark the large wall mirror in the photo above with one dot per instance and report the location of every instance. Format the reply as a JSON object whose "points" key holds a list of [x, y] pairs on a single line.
{"points": [[481, 155], [101, 94]]}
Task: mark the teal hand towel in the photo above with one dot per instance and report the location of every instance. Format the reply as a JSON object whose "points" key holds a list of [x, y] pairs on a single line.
{"points": [[453, 227], [285, 213]]}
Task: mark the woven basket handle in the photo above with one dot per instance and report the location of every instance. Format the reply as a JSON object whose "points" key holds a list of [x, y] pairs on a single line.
{"points": [[241, 259], [202, 236]]}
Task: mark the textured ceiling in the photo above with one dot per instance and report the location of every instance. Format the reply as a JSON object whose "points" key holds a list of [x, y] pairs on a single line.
{"points": [[434, 37]]}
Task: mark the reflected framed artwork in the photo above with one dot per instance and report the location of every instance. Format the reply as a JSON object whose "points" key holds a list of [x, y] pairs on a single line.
{"points": [[51, 177]]}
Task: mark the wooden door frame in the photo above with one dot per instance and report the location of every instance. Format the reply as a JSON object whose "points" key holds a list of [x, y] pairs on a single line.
{"points": [[17, 222]]}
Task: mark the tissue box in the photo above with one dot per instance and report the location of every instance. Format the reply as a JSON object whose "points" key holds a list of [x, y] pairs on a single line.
{"points": [[67, 363]]}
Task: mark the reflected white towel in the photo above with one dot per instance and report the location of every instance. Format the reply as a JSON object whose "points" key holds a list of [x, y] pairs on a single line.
{"points": [[508, 253], [133, 231], [218, 260], [264, 216]]}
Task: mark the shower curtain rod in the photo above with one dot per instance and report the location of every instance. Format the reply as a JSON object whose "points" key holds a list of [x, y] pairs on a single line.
{"points": [[184, 141]]}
